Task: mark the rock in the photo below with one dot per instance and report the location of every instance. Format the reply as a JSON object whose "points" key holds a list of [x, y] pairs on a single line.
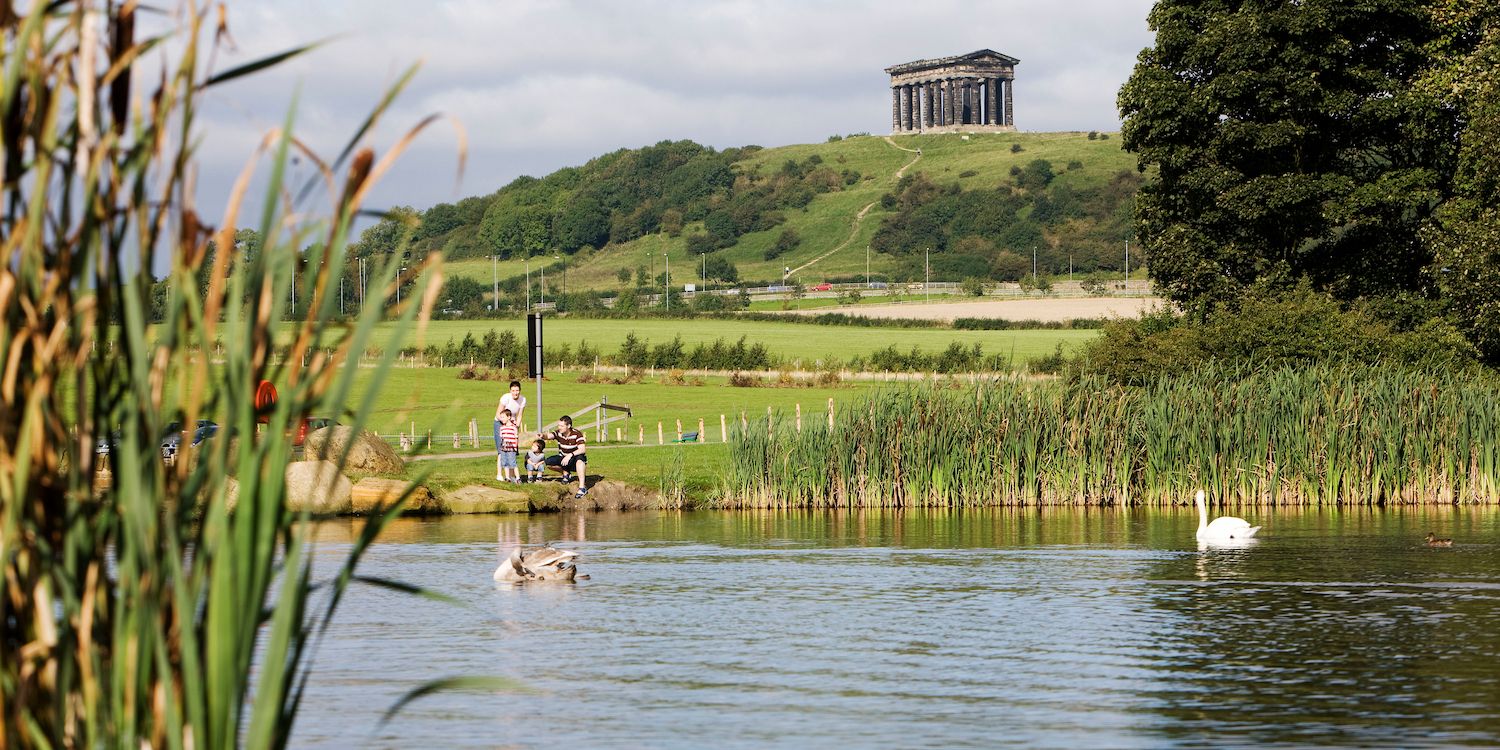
{"points": [[372, 492], [475, 498], [609, 494], [317, 487], [368, 454]]}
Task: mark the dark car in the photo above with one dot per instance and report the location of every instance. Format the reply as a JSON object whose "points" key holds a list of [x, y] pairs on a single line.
{"points": [[171, 441]]}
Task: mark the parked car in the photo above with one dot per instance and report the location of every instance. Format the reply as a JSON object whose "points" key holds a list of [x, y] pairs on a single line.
{"points": [[823, 287], [309, 424], [171, 441]]}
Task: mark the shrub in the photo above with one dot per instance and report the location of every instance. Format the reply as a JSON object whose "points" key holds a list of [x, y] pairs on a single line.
{"points": [[1016, 148], [974, 286]]}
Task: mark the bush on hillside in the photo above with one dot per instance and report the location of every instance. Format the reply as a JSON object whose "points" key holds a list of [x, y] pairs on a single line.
{"points": [[1269, 330]]}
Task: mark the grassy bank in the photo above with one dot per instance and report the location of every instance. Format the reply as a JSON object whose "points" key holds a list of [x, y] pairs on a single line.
{"points": [[1309, 436]]}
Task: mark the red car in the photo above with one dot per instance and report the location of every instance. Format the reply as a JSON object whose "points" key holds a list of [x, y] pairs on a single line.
{"points": [[310, 424], [823, 287]]}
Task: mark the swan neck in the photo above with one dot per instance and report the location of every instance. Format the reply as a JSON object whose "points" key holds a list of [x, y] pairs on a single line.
{"points": [[1202, 513]]}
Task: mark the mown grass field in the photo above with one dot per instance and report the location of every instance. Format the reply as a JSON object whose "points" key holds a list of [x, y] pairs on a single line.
{"points": [[434, 398], [809, 344], [829, 220]]}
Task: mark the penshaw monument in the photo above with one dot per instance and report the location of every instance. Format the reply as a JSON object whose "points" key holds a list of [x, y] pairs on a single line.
{"points": [[962, 94]]}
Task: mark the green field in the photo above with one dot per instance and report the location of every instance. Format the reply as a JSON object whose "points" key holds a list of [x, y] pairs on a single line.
{"points": [[434, 398], [806, 343], [830, 219]]}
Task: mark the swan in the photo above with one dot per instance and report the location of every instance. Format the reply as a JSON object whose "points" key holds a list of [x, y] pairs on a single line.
{"points": [[1221, 529], [546, 563], [1434, 541]]}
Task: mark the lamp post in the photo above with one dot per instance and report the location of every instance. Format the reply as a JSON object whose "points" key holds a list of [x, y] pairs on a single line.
{"points": [[1127, 260], [1033, 265], [867, 266], [495, 281], [666, 287], [541, 289], [927, 267], [528, 284], [650, 256]]}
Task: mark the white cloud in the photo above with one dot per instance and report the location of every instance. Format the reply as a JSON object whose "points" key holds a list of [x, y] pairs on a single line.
{"points": [[542, 84]]}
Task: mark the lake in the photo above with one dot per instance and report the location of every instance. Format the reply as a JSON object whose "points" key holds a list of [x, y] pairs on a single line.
{"points": [[1045, 628]]}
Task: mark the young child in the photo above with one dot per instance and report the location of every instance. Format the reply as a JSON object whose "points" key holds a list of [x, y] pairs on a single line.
{"points": [[506, 448], [536, 461]]}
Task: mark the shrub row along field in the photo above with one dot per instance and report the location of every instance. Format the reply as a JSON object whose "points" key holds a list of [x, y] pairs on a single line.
{"points": [[1289, 436], [793, 345]]}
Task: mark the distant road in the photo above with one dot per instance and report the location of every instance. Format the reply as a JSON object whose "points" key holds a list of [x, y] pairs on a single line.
{"points": [[1043, 309]]}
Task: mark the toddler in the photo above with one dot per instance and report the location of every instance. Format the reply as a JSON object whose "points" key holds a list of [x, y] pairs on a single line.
{"points": [[536, 461]]}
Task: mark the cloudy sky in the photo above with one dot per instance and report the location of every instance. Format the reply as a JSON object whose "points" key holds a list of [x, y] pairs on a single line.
{"points": [[542, 84]]}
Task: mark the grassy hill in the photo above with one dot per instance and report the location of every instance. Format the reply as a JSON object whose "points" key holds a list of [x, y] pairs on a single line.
{"points": [[836, 226]]}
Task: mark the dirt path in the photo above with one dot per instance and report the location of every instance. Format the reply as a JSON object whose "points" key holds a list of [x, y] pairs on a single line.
{"points": [[860, 217]]}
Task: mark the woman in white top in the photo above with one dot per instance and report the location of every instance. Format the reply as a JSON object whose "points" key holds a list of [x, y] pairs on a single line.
{"points": [[516, 403]]}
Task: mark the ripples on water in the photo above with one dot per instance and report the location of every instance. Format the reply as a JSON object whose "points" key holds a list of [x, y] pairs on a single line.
{"points": [[1063, 628]]}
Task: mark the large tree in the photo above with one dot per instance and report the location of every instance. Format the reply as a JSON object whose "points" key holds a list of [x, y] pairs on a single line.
{"points": [[1288, 142], [1465, 233]]}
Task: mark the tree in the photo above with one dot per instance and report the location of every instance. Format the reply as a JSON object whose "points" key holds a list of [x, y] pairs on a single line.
{"points": [[463, 293], [720, 269], [582, 222], [1465, 232], [1289, 142], [388, 235], [974, 286]]}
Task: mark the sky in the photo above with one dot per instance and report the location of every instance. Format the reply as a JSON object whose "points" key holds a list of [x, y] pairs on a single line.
{"points": [[536, 85]]}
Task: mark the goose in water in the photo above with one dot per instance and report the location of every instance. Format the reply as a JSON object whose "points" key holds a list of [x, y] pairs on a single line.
{"points": [[1221, 529], [1434, 541]]}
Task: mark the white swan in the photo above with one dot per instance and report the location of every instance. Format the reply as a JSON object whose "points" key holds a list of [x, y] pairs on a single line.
{"points": [[544, 564], [1221, 529]]}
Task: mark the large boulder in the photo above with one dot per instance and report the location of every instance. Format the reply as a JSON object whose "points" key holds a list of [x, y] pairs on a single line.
{"points": [[372, 493], [368, 454], [476, 498], [318, 488], [608, 494]]}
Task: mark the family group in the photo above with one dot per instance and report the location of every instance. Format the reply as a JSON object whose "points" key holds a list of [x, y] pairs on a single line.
{"points": [[570, 459]]}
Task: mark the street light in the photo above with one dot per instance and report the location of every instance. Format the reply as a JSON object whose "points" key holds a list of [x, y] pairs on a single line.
{"points": [[666, 288], [528, 286], [495, 281], [927, 264]]}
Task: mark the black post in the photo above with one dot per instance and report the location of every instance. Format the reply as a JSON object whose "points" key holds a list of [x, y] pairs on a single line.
{"points": [[534, 359]]}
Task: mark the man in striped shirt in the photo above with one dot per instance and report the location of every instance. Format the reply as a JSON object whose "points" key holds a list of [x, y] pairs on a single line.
{"points": [[571, 458]]}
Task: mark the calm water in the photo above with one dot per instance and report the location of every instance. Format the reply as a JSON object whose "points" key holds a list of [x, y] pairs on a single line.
{"points": [[1066, 628]]}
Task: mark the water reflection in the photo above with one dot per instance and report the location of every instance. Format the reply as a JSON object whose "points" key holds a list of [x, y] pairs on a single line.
{"points": [[1052, 627]]}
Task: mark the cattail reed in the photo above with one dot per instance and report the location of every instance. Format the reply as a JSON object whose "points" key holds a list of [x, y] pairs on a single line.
{"points": [[1318, 435]]}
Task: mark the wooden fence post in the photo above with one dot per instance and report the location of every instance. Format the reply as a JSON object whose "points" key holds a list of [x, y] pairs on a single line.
{"points": [[768, 421], [659, 439], [799, 416], [679, 430], [830, 413], [702, 438], [723, 429], [641, 434]]}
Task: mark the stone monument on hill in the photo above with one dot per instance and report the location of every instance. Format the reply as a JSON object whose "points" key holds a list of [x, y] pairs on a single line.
{"points": [[962, 94]]}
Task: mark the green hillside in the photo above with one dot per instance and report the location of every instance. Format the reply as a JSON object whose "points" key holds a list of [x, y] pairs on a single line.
{"points": [[978, 202]]}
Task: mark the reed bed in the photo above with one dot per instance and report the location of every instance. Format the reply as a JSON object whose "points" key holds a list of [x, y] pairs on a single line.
{"points": [[170, 606], [1295, 436]]}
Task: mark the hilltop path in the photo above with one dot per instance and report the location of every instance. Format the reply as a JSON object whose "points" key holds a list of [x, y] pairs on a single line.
{"points": [[860, 217]]}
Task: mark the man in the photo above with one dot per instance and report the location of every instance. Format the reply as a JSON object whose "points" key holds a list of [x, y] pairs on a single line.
{"points": [[571, 457], [515, 403]]}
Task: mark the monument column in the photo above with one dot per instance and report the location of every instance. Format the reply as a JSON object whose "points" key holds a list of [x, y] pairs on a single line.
{"points": [[989, 101], [931, 110], [976, 114], [1010, 118], [895, 109], [905, 108], [955, 102]]}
